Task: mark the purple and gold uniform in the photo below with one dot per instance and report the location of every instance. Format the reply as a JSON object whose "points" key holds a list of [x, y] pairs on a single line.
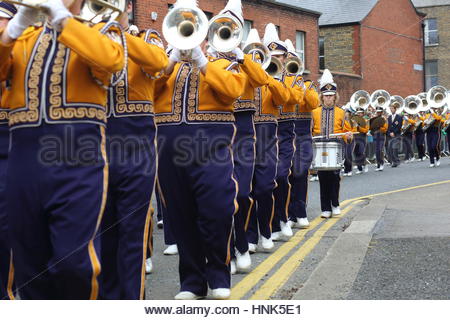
{"points": [[286, 147], [244, 148], [362, 128], [131, 135], [267, 100], [194, 115], [327, 121], [57, 170], [434, 137], [420, 136], [378, 127], [303, 152]]}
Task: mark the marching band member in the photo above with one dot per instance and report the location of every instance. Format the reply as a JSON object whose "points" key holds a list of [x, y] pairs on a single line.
{"points": [[194, 113], [362, 127], [378, 129], [330, 119], [245, 148], [131, 134], [408, 139], [446, 125], [267, 99], [434, 138], [303, 155], [349, 147], [286, 147], [420, 135], [7, 12], [56, 201], [395, 122]]}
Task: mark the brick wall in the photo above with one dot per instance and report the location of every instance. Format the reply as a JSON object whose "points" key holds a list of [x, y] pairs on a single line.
{"points": [[339, 48], [392, 44], [382, 50], [259, 12], [441, 52]]}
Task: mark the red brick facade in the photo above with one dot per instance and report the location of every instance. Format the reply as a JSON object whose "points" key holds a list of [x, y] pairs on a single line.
{"points": [[387, 51], [259, 12]]}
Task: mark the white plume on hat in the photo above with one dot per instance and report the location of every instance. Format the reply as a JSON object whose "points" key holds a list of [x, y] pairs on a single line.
{"points": [[235, 6], [327, 78], [290, 47], [271, 34], [185, 4], [253, 37]]}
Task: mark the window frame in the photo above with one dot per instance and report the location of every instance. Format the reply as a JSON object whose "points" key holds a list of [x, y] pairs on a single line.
{"points": [[429, 83], [302, 52], [427, 32], [245, 34], [322, 61]]}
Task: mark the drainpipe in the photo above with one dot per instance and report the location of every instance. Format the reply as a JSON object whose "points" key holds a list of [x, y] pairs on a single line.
{"points": [[423, 50]]}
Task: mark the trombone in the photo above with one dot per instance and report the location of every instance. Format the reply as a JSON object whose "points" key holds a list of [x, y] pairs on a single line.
{"points": [[185, 28], [257, 48], [275, 67], [225, 33]]}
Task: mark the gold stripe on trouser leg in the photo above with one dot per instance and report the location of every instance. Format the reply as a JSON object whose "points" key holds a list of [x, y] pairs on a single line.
{"points": [[252, 202], [10, 278], [148, 224], [236, 204], [96, 267]]}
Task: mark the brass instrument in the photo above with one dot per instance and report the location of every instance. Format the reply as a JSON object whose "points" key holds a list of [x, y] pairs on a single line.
{"points": [[360, 99], [225, 33], [380, 99], [275, 67], [412, 106], [437, 100], [423, 96], [92, 11], [294, 65], [185, 28], [255, 47]]}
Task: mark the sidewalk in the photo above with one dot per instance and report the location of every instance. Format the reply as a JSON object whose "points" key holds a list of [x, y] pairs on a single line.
{"points": [[398, 247]]}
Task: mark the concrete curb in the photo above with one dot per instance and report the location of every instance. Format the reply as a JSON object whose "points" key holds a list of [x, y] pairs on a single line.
{"points": [[334, 276]]}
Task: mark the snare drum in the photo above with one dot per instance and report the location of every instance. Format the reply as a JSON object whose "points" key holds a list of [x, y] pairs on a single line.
{"points": [[327, 156]]}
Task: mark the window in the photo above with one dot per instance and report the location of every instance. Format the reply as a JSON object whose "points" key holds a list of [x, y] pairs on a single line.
{"points": [[132, 15], [300, 45], [431, 74], [431, 32], [322, 53], [248, 25]]}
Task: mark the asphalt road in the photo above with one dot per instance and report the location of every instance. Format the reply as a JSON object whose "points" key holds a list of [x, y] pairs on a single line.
{"points": [[163, 283]]}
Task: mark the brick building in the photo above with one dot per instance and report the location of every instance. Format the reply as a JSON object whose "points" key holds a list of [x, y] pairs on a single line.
{"points": [[437, 41], [371, 44], [294, 22]]}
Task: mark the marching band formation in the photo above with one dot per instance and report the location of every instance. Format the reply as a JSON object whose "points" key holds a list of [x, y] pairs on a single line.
{"points": [[97, 116]]}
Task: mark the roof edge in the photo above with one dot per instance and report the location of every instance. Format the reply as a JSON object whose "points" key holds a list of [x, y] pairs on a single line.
{"points": [[298, 8]]}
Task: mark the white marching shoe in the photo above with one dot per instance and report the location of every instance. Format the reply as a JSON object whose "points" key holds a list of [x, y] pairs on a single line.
{"points": [[221, 293], [366, 168], [438, 163], [267, 244], [358, 171], [349, 174], [233, 267], [326, 214], [243, 261], [276, 236], [432, 165], [160, 224], [303, 223], [291, 224], [187, 295], [171, 250], [286, 230], [148, 265], [336, 210], [251, 247]]}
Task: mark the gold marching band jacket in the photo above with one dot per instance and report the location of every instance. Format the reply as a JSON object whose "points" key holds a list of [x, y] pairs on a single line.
{"points": [[256, 78], [134, 94], [378, 124], [269, 97], [293, 83], [208, 98], [63, 76], [327, 121], [310, 101], [3, 110]]}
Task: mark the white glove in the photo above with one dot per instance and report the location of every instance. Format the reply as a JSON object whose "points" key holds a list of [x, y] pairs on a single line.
{"points": [[239, 53], [199, 57], [175, 55], [24, 18], [58, 11]]}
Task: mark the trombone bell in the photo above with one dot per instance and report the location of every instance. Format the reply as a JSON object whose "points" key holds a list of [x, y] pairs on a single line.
{"points": [[225, 33], [275, 67], [261, 50], [185, 28], [294, 65]]}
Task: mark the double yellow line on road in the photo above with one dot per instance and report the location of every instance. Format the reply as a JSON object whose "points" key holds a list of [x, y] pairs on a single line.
{"points": [[279, 278], [252, 279]]}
